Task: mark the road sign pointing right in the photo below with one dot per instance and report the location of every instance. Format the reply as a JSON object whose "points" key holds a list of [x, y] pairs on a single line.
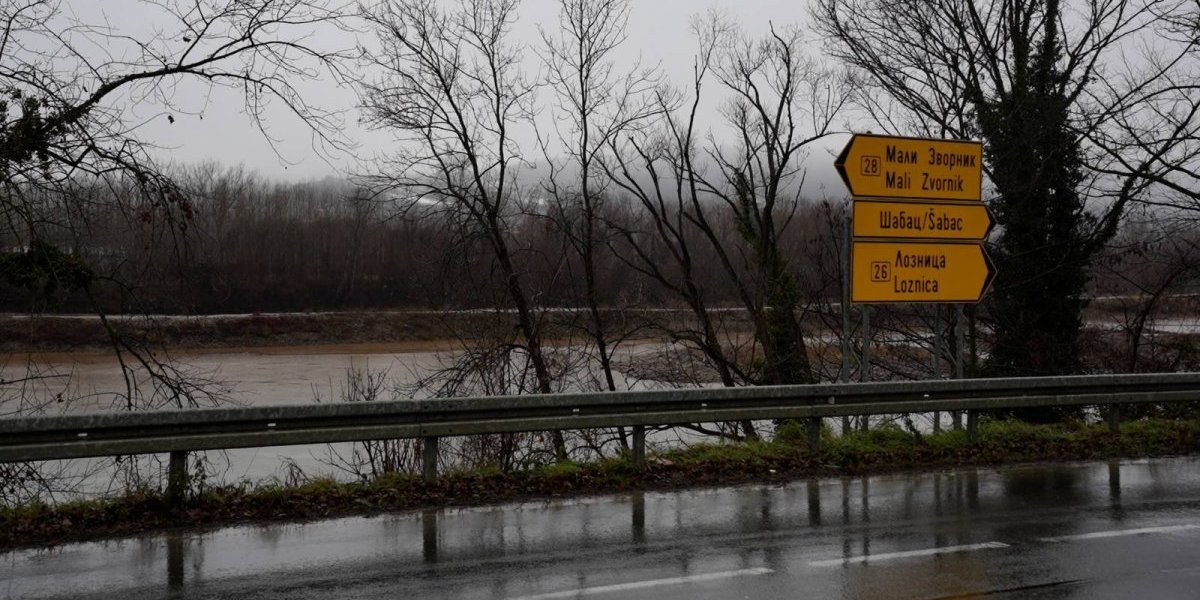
{"points": [[921, 220], [919, 272]]}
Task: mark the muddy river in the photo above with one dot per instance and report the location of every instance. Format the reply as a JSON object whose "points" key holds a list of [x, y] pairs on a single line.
{"points": [[94, 382]]}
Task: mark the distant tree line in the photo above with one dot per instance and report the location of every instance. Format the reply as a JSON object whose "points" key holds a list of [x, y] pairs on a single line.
{"points": [[254, 245]]}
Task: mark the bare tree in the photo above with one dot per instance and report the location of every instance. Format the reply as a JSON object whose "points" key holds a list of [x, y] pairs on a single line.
{"points": [[593, 103], [66, 82], [1147, 110], [780, 103], [452, 89], [712, 208], [659, 241]]}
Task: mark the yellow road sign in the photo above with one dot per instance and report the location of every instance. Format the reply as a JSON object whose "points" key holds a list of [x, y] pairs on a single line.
{"points": [[918, 272], [898, 167], [921, 220]]}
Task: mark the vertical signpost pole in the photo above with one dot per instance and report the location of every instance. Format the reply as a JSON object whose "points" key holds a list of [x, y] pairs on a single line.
{"points": [[934, 326], [866, 343], [959, 359], [845, 300], [844, 306], [936, 359], [845, 309], [864, 373]]}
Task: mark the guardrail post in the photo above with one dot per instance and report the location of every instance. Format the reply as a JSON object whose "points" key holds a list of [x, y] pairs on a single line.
{"points": [[639, 446], [972, 426], [813, 427], [177, 478], [1114, 418], [638, 502], [814, 502], [429, 458], [1114, 481], [429, 534], [175, 562]]}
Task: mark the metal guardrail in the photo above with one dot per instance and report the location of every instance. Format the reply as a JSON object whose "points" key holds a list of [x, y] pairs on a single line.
{"points": [[176, 431]]}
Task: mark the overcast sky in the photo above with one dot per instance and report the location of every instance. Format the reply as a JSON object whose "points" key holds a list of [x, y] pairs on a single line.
{"points": [[658, 32]]}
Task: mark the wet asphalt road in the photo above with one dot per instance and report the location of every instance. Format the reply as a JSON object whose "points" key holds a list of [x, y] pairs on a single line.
{"points": [[1127, 529]]}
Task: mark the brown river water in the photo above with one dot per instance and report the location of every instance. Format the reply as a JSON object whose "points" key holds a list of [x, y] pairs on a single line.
{"points": [[92, 381]]}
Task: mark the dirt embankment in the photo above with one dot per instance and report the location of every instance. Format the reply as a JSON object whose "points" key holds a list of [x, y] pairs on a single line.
{"points": [[65, 333], [46, 333], [60, 333]]}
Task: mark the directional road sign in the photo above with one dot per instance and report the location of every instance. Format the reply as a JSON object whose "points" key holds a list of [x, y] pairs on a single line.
{"points": [[921, 220], [918, 272], [897, 167]]}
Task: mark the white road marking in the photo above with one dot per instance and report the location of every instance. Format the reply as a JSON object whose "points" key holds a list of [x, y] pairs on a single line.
{"points": [[1118, 533], [1181, 570], [833, 562], [637, 585]]}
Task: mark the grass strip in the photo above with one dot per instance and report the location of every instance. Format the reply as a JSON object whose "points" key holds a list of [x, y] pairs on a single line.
{"points": [[880, 450]]}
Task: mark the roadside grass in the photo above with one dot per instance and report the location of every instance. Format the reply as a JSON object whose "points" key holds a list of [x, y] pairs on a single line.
{"points": [[880, 450]]}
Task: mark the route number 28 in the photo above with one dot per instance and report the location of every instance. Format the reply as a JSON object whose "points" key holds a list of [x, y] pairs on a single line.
{"points": [[870, 166]]}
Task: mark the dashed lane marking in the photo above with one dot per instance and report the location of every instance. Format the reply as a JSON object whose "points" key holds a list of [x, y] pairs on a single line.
{"points": [[637, 585], [834, 562], [1118, 533]]}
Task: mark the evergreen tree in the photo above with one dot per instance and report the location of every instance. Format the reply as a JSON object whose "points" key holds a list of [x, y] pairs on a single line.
{"points": [[1048, 239]]}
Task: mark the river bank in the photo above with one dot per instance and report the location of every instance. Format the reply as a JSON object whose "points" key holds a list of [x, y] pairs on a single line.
{"points": [[44, 333], [83, 333], [88, 332]]}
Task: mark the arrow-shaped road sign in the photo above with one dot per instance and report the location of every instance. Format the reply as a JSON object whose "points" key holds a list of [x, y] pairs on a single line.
{"points": [[921, 220], [897, 167], [919, 272]]}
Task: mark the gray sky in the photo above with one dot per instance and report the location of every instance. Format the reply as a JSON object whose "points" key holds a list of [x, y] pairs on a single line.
{"points": [[221, 132]]}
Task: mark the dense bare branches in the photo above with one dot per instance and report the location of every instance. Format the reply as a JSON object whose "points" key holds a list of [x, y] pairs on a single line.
{"points": [[453, 91], [593, 104], [781, 102], [70, 81], [697, 189]]}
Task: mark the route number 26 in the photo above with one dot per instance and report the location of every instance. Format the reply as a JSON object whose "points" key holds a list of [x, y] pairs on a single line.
{"points": [[880, 272]]}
